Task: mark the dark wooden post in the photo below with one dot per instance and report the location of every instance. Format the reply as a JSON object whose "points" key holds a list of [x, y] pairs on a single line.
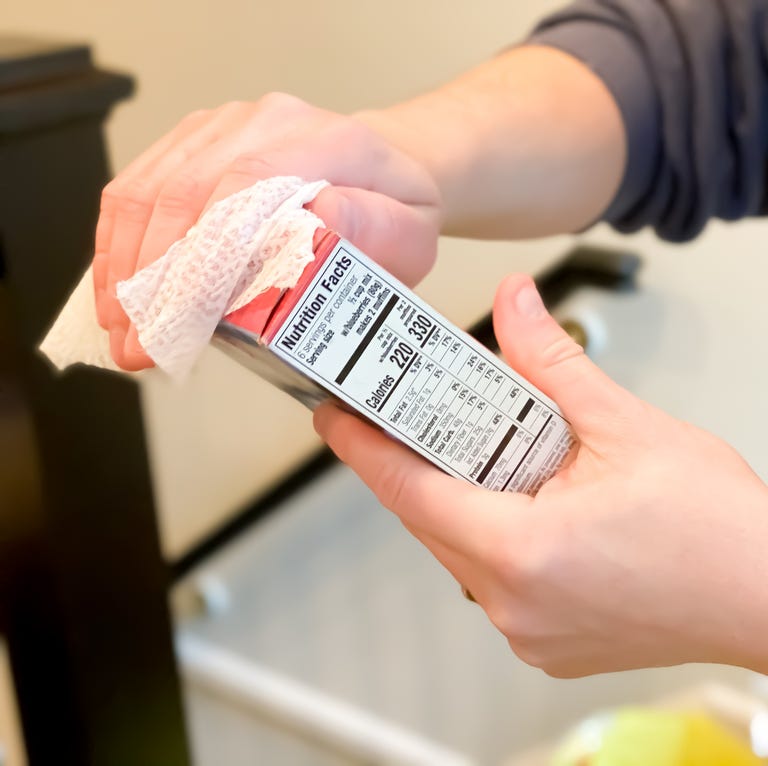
{"points": [[83, 587]]}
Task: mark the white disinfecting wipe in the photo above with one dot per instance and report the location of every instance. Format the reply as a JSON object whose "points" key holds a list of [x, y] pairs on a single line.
{"points": [[224, 261]]}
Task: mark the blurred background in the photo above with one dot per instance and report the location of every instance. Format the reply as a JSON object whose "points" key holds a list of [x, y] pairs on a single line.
{"points": [[328, 602]]}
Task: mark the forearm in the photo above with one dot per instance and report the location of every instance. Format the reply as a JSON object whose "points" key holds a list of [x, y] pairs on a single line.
{"points": [[530, 143]]}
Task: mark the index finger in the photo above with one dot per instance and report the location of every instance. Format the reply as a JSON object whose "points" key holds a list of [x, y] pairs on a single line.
{"points": [[458, 514], [105, 223]]}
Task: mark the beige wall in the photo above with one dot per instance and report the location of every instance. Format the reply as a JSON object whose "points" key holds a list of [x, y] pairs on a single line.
{"points": [[226, 435], [342, 54]]}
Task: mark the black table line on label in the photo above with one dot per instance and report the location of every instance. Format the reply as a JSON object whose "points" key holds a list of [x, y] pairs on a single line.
{"points": [[527, 452], [365, 342]]}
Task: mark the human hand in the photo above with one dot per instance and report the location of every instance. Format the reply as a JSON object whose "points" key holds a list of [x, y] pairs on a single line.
{"points": [[380, 199], [648, 549]]}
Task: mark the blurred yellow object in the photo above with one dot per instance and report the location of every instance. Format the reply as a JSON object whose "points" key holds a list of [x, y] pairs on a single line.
{"points": [[646, 737]]}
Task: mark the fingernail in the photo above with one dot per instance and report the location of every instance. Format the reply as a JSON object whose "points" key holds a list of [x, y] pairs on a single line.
{"points": [[320, 418], [132, 343], [529, 303], [346, 215]]}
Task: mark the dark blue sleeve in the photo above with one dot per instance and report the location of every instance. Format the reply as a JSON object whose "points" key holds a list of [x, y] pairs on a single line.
{"points": [[690, 78]]}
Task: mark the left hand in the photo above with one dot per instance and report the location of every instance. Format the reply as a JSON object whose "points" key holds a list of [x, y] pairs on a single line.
{"points": [[647, 550], [382, 200]]}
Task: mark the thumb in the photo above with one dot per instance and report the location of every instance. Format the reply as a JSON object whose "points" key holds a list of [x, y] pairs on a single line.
{"points": [[400, 237], [535, 345]]}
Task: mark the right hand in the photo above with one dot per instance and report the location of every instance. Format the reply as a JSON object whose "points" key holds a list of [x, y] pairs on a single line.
{"points": [[382, 200], [648, 549]]}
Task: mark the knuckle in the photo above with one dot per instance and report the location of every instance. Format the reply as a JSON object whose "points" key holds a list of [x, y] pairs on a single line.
{"points": [[252, 165], [179, 194], [394, 221], [504, 619], [528, 648], [515, 626], [531, 563], [234, 106], [109, 194], [198, 115], [543, 557], [525, 651], [518, 564], [132, 198], [561, 350], [629, 426], [357, 139], [507, 566], [281, 102], [392, 486]]}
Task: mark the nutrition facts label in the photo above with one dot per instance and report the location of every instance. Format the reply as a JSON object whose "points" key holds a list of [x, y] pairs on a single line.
{"points": [[374, 344]]}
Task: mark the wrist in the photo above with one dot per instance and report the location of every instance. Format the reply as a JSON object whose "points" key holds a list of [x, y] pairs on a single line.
{"points": [[741, 601], [753, 599], [408, 127], [530, 143], [441, 132]]}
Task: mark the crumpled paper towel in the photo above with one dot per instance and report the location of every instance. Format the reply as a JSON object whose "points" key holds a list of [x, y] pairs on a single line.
{"points": [[258, 238]]}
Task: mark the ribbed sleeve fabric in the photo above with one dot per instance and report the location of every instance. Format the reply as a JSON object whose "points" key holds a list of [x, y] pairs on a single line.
{"points": [[690, 78]]}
